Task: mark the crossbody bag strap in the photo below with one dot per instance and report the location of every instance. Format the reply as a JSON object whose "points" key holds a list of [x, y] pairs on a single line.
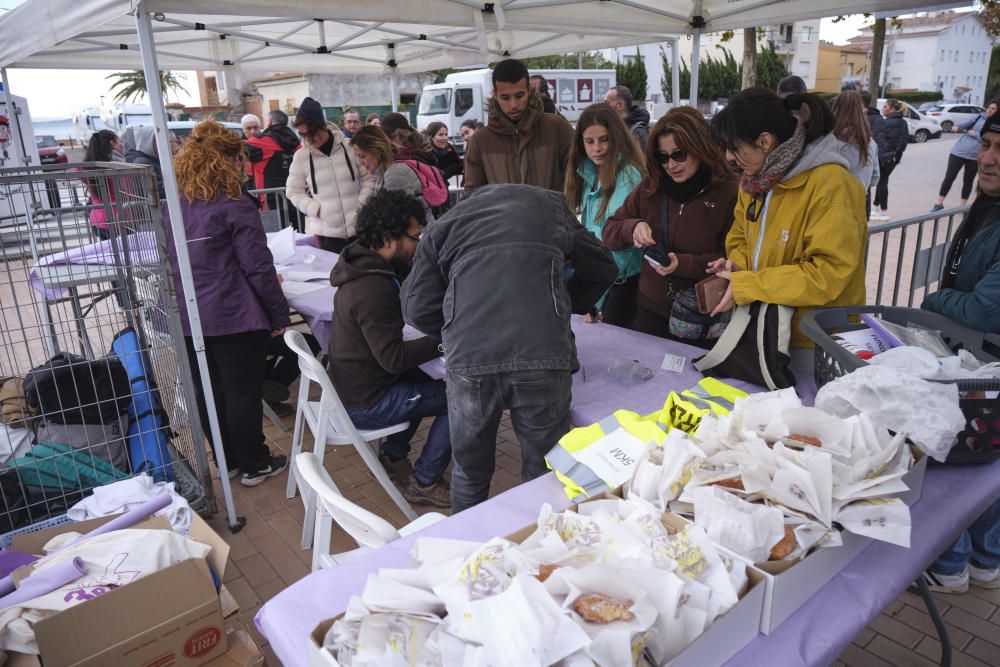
{"points": [[312, 173], [664, 228], [727, 341], [349, 165]]}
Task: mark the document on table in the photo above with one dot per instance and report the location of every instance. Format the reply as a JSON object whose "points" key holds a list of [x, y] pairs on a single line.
{"points": [[435, 368], [293, 288], [282, 245], [308, 276]]}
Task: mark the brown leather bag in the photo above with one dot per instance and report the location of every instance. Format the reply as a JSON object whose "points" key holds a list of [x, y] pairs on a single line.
{"points": [[14, 408]]}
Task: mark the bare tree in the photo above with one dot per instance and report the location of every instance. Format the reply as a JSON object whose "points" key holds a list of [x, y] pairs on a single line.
{"points": [[875, 71], [749, 58]]}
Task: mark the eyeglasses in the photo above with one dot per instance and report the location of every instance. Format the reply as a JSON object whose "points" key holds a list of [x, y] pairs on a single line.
{"points": [[756, 208], [414, 238], [679, 155]]}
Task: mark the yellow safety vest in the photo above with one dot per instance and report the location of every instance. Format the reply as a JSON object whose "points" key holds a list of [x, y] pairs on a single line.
{"points": [[579, 480], [684, 410]]}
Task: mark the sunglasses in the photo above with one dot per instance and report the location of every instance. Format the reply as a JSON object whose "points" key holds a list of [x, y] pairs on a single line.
{"points": [[679, 155], [756, 208]]}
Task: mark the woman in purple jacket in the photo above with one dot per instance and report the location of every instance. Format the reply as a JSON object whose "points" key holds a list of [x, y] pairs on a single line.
{"points": [[239, 298]]}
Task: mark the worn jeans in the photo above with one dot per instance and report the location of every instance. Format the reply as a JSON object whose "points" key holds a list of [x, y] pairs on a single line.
{"points": [[979, 545], [538, 401], [412, 401]]}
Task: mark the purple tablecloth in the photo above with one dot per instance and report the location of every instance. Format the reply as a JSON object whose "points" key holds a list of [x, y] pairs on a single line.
{"points": [[815, 635]]}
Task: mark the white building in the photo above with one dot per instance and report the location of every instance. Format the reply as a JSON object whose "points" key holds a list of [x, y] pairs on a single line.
{"points": [[943, 51], [797, 44], [286, 91]]}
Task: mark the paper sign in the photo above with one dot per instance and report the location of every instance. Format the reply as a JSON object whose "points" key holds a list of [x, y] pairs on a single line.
{"points": [[613, 457], [673, 363]]}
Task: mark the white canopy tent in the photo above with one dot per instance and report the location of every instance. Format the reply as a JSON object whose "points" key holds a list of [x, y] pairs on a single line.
{"points": [[354, 36]]}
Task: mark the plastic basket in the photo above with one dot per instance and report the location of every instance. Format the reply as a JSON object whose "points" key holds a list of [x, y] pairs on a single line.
{"points": [[980, 441], [7, 538]]}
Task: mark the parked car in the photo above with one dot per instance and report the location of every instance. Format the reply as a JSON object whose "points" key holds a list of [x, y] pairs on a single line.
{"points": [[49, 150], [921, 127], [953, 115]]}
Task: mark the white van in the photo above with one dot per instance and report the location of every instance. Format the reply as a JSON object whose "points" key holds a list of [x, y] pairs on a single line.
{"points": [[463, 95], [921, 126]]}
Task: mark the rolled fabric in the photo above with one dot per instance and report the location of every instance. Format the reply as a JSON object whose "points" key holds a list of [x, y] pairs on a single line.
{"points": [[126, 520], [45, 582]]}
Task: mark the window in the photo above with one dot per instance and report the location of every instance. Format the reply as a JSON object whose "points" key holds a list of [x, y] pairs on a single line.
{"points": [[942, 55], [955, 57], [435, 102], [786, 31], [407, 98], [463, 101], [899, 56], [804, 70], [272, 105], [971, 56], [807, 34], [631, 59]]}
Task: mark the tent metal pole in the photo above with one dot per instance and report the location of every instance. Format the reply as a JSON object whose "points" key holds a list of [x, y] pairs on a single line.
{"points": [[393, 80], [698, 24], [675, 72], [147, 48]]}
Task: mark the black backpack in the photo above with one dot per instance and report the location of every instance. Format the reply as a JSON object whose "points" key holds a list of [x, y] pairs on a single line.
{"points": [[70, 389]]}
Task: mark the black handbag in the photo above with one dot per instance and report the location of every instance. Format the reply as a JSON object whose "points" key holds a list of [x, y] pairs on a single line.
{"points": [[686, 321], [754, 347]]}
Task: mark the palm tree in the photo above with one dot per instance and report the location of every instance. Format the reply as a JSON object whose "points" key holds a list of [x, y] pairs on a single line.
{"points": [[132, 85]]}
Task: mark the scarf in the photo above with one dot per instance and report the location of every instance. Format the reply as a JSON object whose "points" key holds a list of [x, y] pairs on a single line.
{"points": [[779, 161], [682, 192]]}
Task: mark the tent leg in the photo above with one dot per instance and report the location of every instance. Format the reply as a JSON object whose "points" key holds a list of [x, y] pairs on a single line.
{"points": [[675, 73], [393, 91], [695, 55], [147, 48]]}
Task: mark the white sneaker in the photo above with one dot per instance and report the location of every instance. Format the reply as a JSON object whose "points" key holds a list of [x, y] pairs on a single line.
{"points": [[984, 578], [879, 215], [947, 583]]}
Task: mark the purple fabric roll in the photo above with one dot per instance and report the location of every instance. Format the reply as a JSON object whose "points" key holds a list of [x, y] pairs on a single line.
{"points": [[44, 582], [126, 520]]}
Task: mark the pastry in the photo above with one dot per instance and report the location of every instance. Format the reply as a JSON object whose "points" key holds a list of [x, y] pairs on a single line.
{"points": [[785, 546], [805, 440], [599, 608], [545, 571], [729, 483]]}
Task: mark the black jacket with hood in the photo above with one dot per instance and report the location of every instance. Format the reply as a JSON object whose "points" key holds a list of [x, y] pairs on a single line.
{"points": [[897, 136], [497, 278], [367, 351], [637, 121], [877, 124]]}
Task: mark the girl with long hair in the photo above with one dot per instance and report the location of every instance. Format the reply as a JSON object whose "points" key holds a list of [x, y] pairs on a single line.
{"points": [[393, 166], [680, 213], [104, 146], [605, 165], [799, 233], [239, 297], [851, 125]]}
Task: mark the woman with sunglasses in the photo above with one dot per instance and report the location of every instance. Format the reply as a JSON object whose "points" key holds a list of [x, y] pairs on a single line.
{"points": [[325, 181], [800, 231], [679, 214], [605, 165]]}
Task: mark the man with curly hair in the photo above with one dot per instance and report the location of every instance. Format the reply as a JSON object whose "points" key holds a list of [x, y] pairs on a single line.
{"points": [[374, 370]]}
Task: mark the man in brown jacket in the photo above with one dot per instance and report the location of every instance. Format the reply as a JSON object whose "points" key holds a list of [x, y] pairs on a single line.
{"points": [[521, 144], [373, 369]]}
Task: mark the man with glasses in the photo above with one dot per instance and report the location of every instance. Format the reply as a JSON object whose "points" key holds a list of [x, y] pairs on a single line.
{"points": [[374, 370], [352, 123]]}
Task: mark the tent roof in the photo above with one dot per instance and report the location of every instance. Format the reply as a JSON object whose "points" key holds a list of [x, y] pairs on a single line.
{"points": [[268, 36]]}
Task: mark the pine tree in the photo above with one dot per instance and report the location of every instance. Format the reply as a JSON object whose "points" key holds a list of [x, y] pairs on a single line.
{"points": [[632, 75]]}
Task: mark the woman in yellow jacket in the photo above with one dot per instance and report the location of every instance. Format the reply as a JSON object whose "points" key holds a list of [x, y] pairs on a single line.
{"points": [[799, 234]]}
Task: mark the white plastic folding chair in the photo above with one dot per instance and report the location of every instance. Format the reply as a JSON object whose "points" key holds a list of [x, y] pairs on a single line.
{"points": [[369, 530], [330, 424]]}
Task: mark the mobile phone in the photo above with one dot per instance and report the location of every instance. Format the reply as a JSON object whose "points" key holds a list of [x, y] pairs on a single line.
{"points": [[657, 255]]}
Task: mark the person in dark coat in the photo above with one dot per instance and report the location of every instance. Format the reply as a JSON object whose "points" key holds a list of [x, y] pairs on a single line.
{"points": [[635, 117], [541, 87], [897, 136], [271, 154], [449, 162], [509, 348], [970, 294], [240, 301]]}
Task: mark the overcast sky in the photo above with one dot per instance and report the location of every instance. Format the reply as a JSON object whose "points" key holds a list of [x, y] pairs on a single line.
{"points": [[60, 93]]}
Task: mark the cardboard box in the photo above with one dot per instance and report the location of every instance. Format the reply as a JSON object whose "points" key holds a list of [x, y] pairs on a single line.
{"points": [[171, 618], [723, 639]]}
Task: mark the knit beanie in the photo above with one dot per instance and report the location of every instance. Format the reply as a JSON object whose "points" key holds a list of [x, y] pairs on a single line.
{"points": [[310, 111]]}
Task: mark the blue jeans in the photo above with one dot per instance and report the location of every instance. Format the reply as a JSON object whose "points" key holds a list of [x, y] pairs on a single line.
{"points": [[412, 401], [979, 544], [539, 404]]}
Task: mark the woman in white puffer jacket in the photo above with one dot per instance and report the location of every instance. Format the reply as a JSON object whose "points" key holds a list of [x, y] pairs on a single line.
{"points": [[325, 180]]}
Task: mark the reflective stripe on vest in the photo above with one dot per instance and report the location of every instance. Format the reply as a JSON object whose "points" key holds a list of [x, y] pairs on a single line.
{"points": [[579, 480], [685, 410]]}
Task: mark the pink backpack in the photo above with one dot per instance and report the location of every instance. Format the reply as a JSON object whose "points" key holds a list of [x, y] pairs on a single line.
{"points": [[432, 186]]}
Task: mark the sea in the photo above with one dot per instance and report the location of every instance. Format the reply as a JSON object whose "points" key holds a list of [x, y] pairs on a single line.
{"points": [[60, 128]]}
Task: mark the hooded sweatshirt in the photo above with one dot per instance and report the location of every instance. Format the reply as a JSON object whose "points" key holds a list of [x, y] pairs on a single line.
{"points": [[532, 151], [367, 351], [807, 249], [144, 153], [637, 121]]}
